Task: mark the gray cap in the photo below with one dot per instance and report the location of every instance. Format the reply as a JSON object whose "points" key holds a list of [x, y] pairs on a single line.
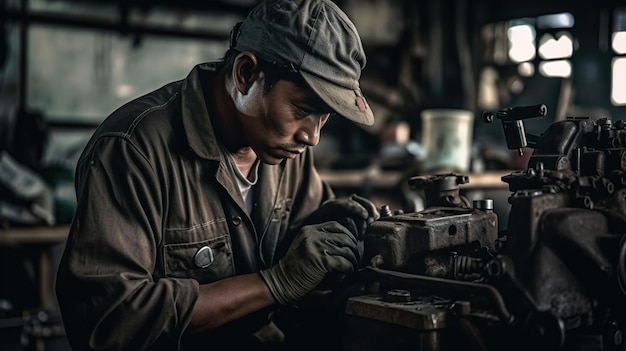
{"points": [[317, 39]]}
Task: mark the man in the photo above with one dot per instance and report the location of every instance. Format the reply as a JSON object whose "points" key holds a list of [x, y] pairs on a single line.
{"points": [[200, 212]]}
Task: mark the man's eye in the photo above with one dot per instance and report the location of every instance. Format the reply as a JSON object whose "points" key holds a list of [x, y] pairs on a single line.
{"points": [[303, 111]]}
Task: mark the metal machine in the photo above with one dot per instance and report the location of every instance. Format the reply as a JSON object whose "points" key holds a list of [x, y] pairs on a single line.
{"points": [[446, 278]]}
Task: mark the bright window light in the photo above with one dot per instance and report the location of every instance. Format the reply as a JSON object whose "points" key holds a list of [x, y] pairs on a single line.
{"points": [[558, 20], [618, 86], [125, 91], [619, 42], [560, 68], [522, 43], [526, 69], [551, 48]]}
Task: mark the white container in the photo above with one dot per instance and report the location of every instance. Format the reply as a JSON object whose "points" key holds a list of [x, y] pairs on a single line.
{"points": [[447, 140]]}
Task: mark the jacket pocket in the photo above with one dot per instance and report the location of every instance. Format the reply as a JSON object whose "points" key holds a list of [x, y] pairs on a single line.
{"points": [[205, 261]]}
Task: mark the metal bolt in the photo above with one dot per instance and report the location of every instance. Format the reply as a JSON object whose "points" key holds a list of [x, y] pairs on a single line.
{"points": [[485, 204], [487, 117], [398, 295], [385, 211], [454, 257], [494, 268], [461, 308]]}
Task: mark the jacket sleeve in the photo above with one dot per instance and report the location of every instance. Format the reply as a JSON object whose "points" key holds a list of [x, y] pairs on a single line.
{"points": [[107, 294]]}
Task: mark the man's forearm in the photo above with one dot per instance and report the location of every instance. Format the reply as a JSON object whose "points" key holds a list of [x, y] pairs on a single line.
{"points": [[229, 299]]}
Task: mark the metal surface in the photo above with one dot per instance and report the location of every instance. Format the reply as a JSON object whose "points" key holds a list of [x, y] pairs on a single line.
{"points": [[395, 242], [423, 313]]}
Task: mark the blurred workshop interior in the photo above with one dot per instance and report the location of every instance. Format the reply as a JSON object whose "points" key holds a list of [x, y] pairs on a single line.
{"points": [[433, 68]]}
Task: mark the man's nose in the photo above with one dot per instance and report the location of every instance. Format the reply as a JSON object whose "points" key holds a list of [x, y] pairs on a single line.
{"points": [[309, 133]]}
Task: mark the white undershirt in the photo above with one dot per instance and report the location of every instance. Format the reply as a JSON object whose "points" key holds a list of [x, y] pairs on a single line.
{"points": [[246, 184]]}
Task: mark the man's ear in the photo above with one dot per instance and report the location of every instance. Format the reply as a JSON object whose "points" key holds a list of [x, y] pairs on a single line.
{"points": [[245, 71]]}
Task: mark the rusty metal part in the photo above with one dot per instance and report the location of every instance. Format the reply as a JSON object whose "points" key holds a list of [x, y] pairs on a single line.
{"points": [[422, 313], [450, 286], [393, 242]]}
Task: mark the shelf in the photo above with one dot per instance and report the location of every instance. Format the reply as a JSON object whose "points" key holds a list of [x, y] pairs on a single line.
{"points": [[390, 179], [33, 235], [42, 238]]}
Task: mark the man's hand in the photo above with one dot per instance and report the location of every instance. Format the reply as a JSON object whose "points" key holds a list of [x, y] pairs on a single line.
{"points": [[354, 212], [317, 250]]}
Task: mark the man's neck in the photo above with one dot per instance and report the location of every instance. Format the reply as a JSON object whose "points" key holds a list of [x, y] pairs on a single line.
{"points": [[226, 124], [244, 159]]}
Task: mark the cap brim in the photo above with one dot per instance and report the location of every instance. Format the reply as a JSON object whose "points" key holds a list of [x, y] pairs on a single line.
{"points": [[349, 103]]}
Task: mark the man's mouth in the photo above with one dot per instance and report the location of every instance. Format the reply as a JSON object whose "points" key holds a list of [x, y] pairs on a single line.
{"points": [[292, 153]]}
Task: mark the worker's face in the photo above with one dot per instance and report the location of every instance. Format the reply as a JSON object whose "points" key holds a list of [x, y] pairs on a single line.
{"points": [[283, 122]]}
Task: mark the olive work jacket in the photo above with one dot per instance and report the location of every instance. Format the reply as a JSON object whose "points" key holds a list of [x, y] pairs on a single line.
{"points": [[154, 190]]}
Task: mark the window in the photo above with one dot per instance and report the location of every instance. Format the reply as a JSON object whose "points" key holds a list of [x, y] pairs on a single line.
{"points": [[618, 66], [521, 36], [81, 64], [544, 39], [555, 45], [522, 48], [81, 73]]}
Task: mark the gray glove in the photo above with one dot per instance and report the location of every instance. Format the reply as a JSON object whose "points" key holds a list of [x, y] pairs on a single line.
{"points": [[317, 250], [354, 212]]}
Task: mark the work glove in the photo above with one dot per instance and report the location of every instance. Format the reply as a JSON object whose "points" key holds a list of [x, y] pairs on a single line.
{"points": [[317, 250], [354, 212]]}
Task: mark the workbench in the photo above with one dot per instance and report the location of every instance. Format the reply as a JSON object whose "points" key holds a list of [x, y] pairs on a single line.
{"points": [[41, 238]]}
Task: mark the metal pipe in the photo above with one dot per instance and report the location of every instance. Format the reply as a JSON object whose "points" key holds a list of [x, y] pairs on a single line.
{"points": [[82, 21]]}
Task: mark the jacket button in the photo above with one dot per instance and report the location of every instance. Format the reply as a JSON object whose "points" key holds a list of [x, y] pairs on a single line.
{"points": [[204, 257], [236, 220]]}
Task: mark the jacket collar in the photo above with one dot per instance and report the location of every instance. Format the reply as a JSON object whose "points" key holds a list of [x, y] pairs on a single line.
{"points": [[196, 120], [199, 126]]}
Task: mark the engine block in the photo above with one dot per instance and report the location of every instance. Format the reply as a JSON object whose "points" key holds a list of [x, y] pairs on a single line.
{"points": [[445, 278]]}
